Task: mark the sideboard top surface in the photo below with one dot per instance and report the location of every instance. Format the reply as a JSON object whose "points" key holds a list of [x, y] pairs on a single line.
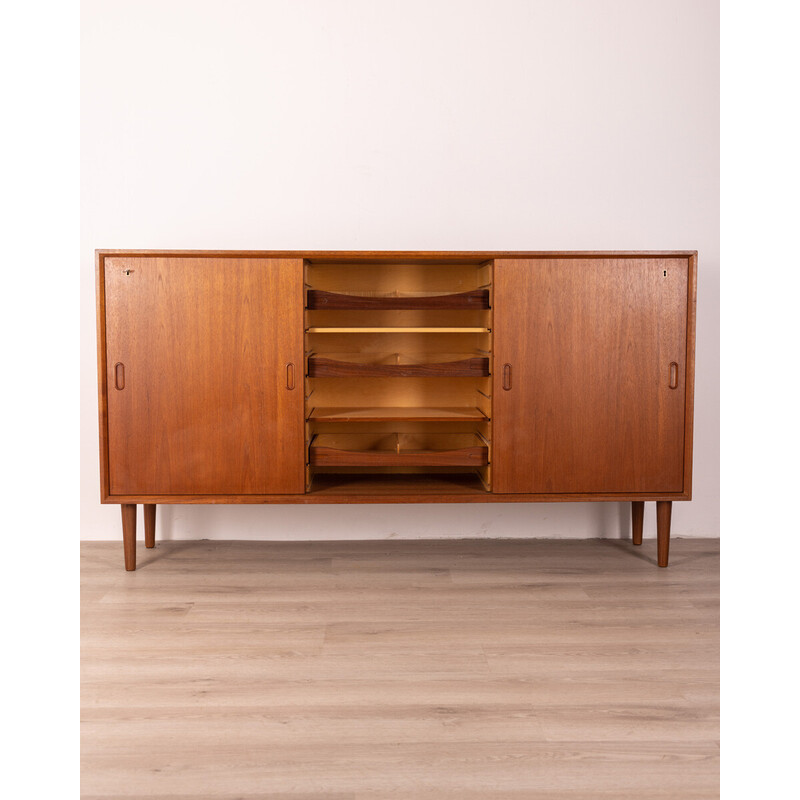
{"points": [[419, 256]]}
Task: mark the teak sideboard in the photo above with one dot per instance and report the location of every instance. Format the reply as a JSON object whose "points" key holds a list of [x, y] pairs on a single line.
{"points": [[395, 377]]}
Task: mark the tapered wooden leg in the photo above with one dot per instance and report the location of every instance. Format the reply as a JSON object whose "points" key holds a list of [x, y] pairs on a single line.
{"points": [[663, 521], [149, 525], [637, 518], [129, 535]]}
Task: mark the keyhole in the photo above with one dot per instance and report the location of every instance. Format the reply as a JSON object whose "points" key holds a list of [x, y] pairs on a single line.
{"points": [[128, 271], [665, 273]]}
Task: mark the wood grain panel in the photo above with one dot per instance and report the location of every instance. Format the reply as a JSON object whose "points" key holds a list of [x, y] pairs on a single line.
{"points": [[205, 344], [588, 346]]}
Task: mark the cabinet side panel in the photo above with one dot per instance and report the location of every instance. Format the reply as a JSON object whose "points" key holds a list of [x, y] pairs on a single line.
{"points": [[102, 387], [691, 325]]}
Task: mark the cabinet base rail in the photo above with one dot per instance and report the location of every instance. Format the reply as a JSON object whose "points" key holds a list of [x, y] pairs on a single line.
{"points": [[663, 525]]}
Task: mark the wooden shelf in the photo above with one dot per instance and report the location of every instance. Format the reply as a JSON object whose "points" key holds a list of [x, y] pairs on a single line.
{"points": [[395, 365], [398, 450], [465, 483], [397, 414], [318, 299], [403, 329]]}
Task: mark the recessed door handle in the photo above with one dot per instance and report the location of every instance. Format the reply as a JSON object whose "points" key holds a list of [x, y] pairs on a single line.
{"points": [[507, 377], [119, 376], [290, 376], [673, 375]]}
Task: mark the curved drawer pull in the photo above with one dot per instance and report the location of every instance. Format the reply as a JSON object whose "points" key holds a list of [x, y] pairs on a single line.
{"points": [[119, 376], [507, 377], [673, 375], [290, 376]]}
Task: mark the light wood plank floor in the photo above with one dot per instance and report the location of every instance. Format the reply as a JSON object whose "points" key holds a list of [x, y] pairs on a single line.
{"points": [[401, 669]]}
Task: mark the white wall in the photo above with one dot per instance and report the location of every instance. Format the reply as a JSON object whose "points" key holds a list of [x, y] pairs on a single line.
{"points": [[440, 124]]}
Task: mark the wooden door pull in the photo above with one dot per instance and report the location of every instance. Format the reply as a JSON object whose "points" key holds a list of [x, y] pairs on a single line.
{"points": [[507, 377], [119, 375], [673, 375], [290, 376]]}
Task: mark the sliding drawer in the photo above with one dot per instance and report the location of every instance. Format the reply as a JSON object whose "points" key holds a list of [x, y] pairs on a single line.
{"points": [[398, 450], [396, 365], [317, 299]]}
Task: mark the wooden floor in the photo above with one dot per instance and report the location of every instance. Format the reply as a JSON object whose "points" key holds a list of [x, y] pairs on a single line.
{"points": [[401, 669]]}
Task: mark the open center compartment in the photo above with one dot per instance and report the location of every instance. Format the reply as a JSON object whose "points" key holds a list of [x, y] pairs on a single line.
{"points": [[398, 370]]}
